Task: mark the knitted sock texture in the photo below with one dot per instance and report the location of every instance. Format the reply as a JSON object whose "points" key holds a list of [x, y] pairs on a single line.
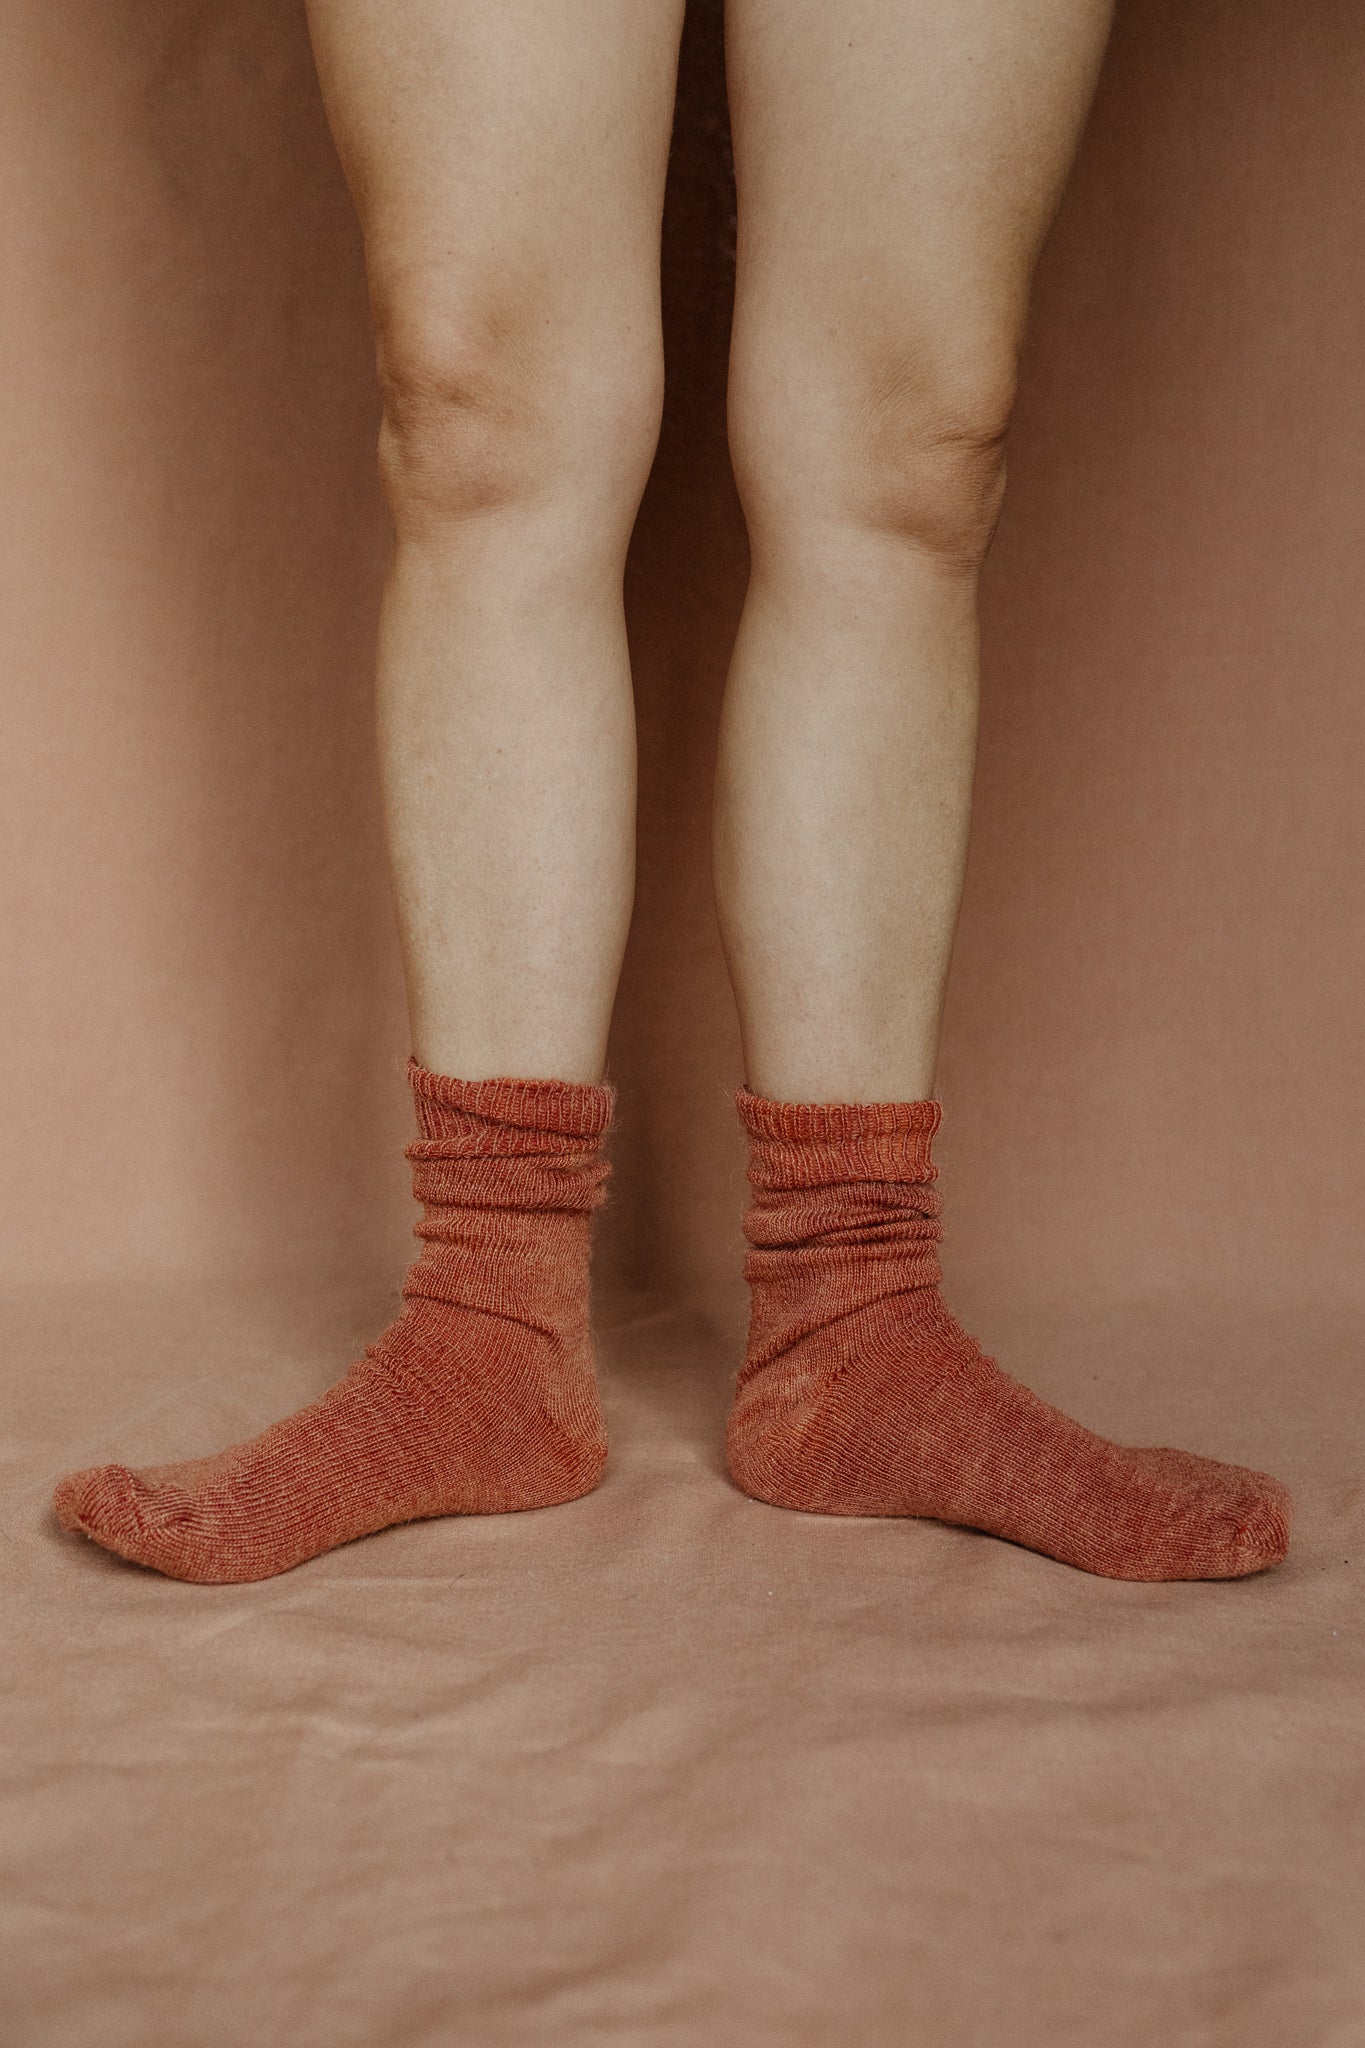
{"points": [[861, 1394], [479, 1398]]}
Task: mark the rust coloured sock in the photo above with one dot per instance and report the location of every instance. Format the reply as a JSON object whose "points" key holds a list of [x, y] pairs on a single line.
{"points": [[861, 1394], [479, 1398]]}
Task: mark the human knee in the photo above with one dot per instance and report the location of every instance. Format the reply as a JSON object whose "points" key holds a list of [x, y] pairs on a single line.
{"points": [[483, 411], [908, 443]]}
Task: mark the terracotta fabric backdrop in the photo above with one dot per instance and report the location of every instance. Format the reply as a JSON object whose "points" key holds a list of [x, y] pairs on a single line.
{"points": [[666, 1768]]}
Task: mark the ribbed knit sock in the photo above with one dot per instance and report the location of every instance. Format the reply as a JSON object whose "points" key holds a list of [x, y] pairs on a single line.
{"points": [[479, 1398], [862, 1395]]}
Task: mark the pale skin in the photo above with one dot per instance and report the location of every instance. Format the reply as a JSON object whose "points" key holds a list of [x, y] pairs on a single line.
{"points": [[898, 163]]}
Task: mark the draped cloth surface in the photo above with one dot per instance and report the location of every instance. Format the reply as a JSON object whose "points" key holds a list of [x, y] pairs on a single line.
{"points": [[668, 1767]]}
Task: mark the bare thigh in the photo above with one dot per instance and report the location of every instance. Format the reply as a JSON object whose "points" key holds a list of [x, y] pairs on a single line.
{"points": [[899, 162], [507, 162]]}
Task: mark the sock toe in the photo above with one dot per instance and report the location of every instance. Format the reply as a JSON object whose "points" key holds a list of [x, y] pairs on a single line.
{"points": [[1245, 1527], [104, 1502], [1263, 1538], [1237, 1520], [68, 1501]]}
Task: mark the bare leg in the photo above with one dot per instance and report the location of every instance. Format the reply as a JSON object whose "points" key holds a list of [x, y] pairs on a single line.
{"points": [[898, 163], [507, 158], [507, 162]]}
